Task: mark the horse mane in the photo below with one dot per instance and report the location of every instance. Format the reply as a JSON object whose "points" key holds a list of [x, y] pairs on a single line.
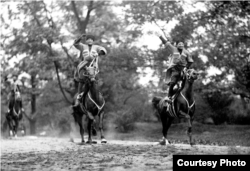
{"points": [[183, 82], [155, 101]]}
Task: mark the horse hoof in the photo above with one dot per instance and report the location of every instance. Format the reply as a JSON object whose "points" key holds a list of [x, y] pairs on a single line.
{"points": [[82, 143], [91, 142], [103, 141], [164, 142], [192, 143]]}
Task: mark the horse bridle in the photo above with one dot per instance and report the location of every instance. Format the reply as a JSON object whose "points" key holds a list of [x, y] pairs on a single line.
{"points": [[189, 74], [92, 71]]}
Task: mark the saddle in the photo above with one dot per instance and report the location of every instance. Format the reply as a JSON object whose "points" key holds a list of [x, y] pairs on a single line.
{"points": [[177, 89]]}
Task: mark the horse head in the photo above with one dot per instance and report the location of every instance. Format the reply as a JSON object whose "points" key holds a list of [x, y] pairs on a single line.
{"points": [[191, 75], [92, 72], [17, 96]]}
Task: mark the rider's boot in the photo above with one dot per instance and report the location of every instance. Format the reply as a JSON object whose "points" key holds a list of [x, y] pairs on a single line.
{"points": [[77, 103], [79, 96], [169, 99], [8, 112]]}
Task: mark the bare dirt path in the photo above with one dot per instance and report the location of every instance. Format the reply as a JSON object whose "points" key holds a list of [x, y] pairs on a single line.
{"points": [[32, 153]]}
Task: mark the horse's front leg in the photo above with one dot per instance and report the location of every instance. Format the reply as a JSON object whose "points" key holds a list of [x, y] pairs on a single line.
{"points": [[101, 115], [189, 130], [81, 130], [166, 123], [16, 127], [9, 122], [90, 141]]}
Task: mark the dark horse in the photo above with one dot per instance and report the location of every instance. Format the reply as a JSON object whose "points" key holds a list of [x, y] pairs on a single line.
{"points": [[183, 106], [92, 104], [15, 115]]}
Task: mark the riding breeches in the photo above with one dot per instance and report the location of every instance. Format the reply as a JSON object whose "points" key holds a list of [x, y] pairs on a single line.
{"points": [[175, 76]]}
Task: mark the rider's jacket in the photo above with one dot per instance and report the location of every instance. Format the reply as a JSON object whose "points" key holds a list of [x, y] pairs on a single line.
{"points": [[178, 59], [88, 53]]}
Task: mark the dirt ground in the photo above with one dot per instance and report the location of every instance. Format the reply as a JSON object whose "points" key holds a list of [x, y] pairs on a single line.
{"points": [[43, 153]]}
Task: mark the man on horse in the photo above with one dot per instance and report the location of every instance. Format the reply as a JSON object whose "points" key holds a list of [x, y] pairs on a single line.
{"points": [[89, 53], [179, 62], [14, 91]]}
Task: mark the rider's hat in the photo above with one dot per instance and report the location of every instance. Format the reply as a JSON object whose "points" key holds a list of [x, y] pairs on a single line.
{"points": [[90, 36]]}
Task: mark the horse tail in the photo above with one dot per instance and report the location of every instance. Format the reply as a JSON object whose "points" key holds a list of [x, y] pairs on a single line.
{"points": [[155, 101]]}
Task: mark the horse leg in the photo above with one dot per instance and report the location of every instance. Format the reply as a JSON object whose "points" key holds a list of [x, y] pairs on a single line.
{"points": [[81, 130], [90, 122], [189, 130], [166, 122], [169, 122], [103, 140], [16, 127], [10, 125]]}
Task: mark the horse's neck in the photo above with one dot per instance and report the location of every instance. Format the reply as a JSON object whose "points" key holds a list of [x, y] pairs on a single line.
{"points": [[94, 91], [15, 104], [187, 91]]}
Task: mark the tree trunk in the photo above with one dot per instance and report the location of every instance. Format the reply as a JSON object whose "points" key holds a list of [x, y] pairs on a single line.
{"points": [[32, 121], [32, 126]]}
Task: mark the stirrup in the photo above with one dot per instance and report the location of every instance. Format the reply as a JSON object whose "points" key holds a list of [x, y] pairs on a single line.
{"points": [[79, 96], [168, 99]]}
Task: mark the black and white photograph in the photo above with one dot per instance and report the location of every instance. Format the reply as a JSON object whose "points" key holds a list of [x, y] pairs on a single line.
{"points": [[125, 85]]}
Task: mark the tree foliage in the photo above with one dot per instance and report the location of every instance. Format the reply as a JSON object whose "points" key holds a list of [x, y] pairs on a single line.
{"points": [[39, 35]]}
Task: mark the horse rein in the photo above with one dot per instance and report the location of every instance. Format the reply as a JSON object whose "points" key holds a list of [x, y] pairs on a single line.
{"points": [[91, 66], [189, 75], [189, 106]]}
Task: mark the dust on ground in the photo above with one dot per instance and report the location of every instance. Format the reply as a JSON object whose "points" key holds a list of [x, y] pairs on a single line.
{"points": [[44, 153]]}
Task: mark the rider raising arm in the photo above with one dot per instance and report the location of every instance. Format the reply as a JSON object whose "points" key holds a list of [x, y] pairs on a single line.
{"points": [[88, 53], [180, 60]]}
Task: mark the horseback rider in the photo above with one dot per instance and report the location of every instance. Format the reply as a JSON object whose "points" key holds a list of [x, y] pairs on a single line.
{"points": [[14, 90], [88, 53], [180, 61]]}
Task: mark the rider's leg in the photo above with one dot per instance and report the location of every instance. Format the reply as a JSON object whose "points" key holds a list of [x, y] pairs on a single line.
{"points": [[170, 90], [8, 108], [21, 105], [175, 76], [9, 99], [79, 95]]}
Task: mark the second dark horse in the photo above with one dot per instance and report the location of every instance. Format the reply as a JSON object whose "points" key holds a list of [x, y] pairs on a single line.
{"points": [[183, 106]]}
